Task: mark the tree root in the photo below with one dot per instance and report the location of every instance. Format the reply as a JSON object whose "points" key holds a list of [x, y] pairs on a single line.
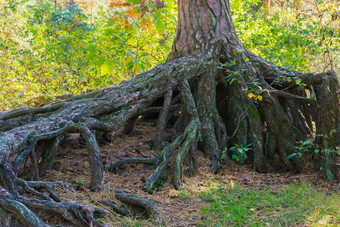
{"points": [[264, 108], [115, 166], [19, 210], [189, 142], [135, 203], [75, 213], [19, 205], [116, 208], [166, 153], [30, 186], [92, 148], [136, 206], [162, 119]]}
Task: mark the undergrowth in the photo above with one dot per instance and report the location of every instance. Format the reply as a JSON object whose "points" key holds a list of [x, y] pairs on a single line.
{"points": [[273, 205]]}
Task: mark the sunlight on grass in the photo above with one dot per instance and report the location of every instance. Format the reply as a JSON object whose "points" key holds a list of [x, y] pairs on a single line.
{"points": [[284, 206]]}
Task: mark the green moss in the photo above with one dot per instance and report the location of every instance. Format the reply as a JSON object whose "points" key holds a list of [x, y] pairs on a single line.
{"points": [[253, 112]]}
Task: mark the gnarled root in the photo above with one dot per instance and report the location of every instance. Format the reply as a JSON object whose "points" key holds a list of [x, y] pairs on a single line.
{"points": [[138, 205], [21, 206], [264, 109]]}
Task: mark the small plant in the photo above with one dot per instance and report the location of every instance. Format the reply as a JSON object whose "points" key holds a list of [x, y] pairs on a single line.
{"points": [[303, 147], [240, 151], [308, 145], [80, 181], [224, 153]]}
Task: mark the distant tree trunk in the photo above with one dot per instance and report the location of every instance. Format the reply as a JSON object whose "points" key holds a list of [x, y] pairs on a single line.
{"points": [[159, 4], [224, 99], [266, 6]]}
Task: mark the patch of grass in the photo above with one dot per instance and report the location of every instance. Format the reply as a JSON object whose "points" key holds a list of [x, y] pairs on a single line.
{"points": [[135, 222], [185, 195], [290, 205]]}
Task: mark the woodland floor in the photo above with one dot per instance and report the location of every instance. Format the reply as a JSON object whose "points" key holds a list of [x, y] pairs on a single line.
{"points": [[176, 208]]}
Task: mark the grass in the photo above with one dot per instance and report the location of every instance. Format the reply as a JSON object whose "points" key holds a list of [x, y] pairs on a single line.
{"points": [[289, 205]]}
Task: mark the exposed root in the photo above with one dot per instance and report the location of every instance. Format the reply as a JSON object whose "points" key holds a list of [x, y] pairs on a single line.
{"points": [[135, 203], [47, 157], [30, 111], [162, 120], [208, 114], [8, 125], [115, 166], [191, 139], [19, 205], [166, 153], [327, 124], [19, 210], [264, 108], [115, 207], [30, 186], [75, 213], [92, 148], [135, 206]]}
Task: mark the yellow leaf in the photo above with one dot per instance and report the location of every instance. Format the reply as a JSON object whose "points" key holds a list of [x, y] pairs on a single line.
{"points": [[125, 23], [250, 95], [259, 97], [105, 68], [132, 13], [148, 24], [254, 70]]}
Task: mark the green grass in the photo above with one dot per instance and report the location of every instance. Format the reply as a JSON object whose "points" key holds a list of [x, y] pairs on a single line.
{"points": [[290, 205]]}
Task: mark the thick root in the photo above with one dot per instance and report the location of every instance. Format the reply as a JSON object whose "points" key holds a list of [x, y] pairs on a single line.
{"points": [[189, 142], [138, 205], [115, 166], [284, 116]]}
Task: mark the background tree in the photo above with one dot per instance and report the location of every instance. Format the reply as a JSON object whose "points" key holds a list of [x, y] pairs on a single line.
{"points": [[221, 95]]}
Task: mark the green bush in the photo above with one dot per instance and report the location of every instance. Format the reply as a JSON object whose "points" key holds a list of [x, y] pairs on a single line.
{"points": [[48, 50]]}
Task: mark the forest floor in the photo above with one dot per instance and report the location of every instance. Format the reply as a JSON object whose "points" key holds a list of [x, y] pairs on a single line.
{"points": [[203, 200]]}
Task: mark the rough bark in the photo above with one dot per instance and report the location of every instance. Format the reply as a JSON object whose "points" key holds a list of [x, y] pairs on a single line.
{"points": [[224, 96]]}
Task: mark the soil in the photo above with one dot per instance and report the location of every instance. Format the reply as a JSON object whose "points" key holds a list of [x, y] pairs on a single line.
{"points": [[175, 208]]}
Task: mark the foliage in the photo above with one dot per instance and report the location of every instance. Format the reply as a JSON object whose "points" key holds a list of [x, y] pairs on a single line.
{"points": [[48, 50], [295, 204], [304, 37], [308, 147], [240, 151]]}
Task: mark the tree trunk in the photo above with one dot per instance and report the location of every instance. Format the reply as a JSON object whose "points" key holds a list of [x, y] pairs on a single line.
{"points": [[228, 100]]}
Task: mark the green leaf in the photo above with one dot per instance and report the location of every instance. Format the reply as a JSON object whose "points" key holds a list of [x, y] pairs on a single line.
{"points": [[232, 148], [291, 155], [91, 52], [234, 157], [160, 25], [133, 1], [332, 131]]}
